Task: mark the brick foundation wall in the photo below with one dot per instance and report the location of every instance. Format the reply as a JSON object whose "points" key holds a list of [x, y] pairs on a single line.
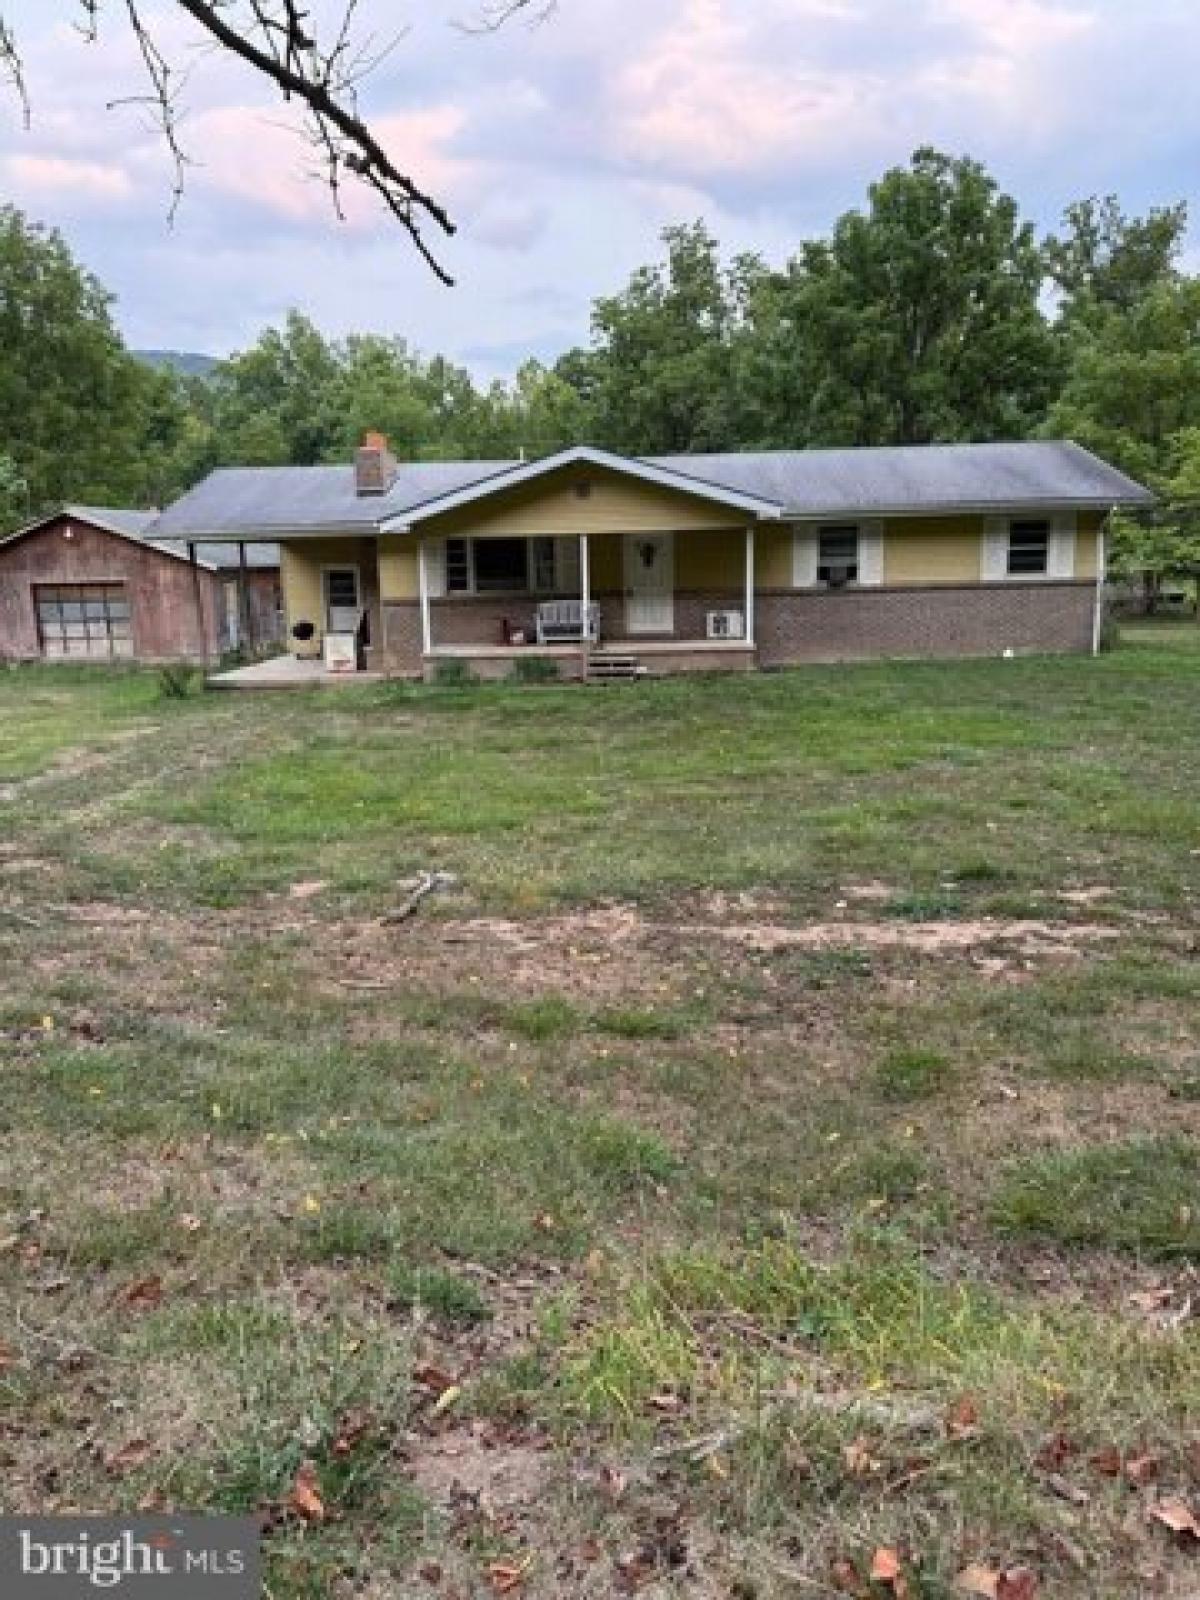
{"points": [[971, 620], [798, 625], [401, 655]]}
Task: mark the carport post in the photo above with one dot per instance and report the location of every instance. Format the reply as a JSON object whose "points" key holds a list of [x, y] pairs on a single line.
{"points": [[199, 596], [750, 584], [423, 591], [585, 600], [245, 615]]}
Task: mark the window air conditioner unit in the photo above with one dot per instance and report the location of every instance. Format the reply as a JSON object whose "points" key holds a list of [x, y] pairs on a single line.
{"points": [[726, 625], [838, 577]]}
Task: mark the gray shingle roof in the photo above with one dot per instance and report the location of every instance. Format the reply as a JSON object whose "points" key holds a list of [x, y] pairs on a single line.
{"points": [[117, 519], [137, 524], [916, 477], [266, 500], [303, 499]]}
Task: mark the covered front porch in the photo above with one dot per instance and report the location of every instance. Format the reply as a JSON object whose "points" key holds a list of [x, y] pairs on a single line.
{"points": [[652, 602]]}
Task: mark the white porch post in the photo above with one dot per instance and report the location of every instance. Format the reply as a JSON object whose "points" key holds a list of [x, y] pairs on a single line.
{"points": [[585, 591], [750, 584], [423, 591]]}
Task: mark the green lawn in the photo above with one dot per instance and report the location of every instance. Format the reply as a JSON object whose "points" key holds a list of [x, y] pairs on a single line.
{"points": [[800, 1065]]}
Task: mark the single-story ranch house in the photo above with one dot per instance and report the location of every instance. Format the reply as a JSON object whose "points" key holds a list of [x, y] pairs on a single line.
{"points": [[89, 583], [611, 565]]}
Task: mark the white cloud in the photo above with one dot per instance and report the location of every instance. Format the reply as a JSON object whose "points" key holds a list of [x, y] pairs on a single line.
{"points": [[563, 150]]}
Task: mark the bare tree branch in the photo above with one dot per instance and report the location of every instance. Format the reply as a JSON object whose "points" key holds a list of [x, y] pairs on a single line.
{"points": [[280, 40], [290, 56], [12, 67], [496, 14]]}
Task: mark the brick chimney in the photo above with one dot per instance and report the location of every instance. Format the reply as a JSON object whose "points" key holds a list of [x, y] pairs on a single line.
{"points": [[374, 465]]}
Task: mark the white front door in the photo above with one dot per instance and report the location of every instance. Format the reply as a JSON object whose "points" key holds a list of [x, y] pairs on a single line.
{"points": [[342, 599], [650, 582]]}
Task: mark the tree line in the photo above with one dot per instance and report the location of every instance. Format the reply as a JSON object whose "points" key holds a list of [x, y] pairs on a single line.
{"points": [[934, 312]]}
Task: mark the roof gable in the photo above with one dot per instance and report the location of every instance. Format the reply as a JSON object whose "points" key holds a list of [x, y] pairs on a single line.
{"points": [[113, 522], [529, 473]]}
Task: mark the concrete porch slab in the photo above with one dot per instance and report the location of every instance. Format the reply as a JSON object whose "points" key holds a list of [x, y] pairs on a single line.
{"points": [[287, 672]]}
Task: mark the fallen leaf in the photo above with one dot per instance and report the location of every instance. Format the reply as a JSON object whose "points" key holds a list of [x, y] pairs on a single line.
{"points": [[1141, 1469], [1152, 1299], [1107, 1461], [352, 1430], [431, 1376], [7, 1357], [430, 1571], [505, 1576], [1017, 1583], [305, 1498], [666, 1402], [144, 1294], [614, 1482], [1056, 1451], [859, 1461], [1176, 1515], [844, 1576], [885, 1565], [978, 1580], [189, 1223], [129, 1457], [446, 1399], [962, 1419]]}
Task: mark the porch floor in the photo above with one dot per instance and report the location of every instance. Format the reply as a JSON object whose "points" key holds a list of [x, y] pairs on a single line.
{"points": [[620, 647], [286, 672]]}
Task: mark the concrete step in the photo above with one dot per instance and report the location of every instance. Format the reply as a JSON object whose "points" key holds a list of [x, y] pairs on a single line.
{"points": [[609, 667]]}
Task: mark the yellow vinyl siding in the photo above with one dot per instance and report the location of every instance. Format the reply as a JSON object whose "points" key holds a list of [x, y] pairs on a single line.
{"points": [[772, 557], [553, 505], [607, 565], [1086, 540], [398, 576], [300, 568], [710, 560], [932, 550]]}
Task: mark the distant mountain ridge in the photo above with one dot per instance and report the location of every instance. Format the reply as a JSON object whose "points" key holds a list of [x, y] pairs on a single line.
{"points": [[190, 363]]}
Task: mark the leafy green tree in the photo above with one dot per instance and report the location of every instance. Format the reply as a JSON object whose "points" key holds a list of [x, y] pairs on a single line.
{"points": [[79, 416], [14, 495], [1134, 384], [543, 412], [1106, 261], [659, 374], [918, 320], [1133, 396], [271, 402]]}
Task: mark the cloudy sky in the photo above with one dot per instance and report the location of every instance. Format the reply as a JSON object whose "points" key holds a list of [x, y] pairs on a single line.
{"points": [[563, 149]]}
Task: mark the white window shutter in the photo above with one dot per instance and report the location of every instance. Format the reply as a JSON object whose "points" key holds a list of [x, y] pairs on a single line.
{"points": [[805, 546], [435, 566], [566, 565], [994, 555], [870, 554], [1061, 560]]}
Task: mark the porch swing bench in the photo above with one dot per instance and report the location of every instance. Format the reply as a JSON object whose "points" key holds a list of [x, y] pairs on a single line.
{"points": [[562, 622]]}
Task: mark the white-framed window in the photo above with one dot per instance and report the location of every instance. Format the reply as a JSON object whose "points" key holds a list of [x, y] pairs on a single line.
{"points": [[1023, 547], [544, 565], [834, 554], [837, 553], [1028, 547]]}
